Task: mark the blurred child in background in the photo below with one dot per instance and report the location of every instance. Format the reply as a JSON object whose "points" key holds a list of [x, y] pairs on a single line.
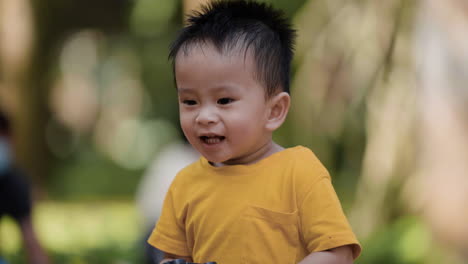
{"points": [[15, 196]]}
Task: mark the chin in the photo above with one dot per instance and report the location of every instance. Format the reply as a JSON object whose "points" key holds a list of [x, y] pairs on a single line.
{"points": [[214, 160], [217, 160]]}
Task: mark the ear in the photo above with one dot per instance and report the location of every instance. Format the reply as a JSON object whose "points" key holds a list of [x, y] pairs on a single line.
{"points": [[278, 110]]}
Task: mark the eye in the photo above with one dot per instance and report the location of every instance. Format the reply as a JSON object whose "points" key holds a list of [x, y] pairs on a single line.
{"points": [[189, 102], [225, 100]]}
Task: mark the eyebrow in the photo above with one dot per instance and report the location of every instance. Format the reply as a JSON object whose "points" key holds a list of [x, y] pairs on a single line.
{"points": [[184, 90], [216, 89]]}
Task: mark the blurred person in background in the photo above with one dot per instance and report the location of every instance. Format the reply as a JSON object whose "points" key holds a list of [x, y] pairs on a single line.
{"points": [[15, 196]]}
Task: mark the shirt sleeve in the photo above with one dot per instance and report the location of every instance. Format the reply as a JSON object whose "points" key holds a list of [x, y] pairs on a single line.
{"points": [[323, 223], [169, 233]]}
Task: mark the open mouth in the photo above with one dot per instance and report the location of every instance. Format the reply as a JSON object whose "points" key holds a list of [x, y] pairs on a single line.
{"points": [[212, 139]]}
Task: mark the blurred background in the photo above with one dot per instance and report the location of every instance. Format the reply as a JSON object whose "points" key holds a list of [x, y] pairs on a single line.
{"points": [[379, 93]]}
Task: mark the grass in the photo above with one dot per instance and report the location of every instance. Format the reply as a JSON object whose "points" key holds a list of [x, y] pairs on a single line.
{"points": [[80, 232]]}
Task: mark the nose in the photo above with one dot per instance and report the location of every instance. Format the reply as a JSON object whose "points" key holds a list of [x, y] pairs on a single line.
{"points": [[206, 116]]}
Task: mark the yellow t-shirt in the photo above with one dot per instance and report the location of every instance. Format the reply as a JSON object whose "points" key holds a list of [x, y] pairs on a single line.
{"points": [[277, 210]]}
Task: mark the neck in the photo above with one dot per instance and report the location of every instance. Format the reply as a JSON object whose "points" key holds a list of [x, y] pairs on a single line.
{"points": [[262, 152]]}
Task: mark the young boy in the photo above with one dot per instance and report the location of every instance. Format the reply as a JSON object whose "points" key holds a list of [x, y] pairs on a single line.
{"points": [[247, 200]]}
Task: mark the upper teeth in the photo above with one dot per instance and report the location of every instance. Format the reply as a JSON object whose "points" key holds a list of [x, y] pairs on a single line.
{"points": [[212, 139]]}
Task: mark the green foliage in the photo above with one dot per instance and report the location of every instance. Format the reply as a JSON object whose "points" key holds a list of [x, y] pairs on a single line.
{"points": [[406, 241], [92, 176]]}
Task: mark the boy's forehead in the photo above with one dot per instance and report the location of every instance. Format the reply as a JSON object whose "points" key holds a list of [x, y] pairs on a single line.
{"points": [[206, 53], [207, 48]]}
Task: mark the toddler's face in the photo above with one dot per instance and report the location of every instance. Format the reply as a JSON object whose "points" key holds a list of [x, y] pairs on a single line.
{"points": [[223, 110]]}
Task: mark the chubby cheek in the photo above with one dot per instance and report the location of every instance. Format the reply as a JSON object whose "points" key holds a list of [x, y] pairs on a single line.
{"points": [[187, 127], [242, 128], [248, 117]]}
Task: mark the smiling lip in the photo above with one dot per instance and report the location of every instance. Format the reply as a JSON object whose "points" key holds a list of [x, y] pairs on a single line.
{"points": [[212, 139]]}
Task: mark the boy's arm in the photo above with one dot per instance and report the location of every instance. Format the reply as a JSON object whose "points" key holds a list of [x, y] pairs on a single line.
{"points": [[169, 257], [339, 255]]}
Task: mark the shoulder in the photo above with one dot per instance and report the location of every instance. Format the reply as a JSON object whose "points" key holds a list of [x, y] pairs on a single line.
{"points": [[307, 171], [188, 175], [307, 165]]}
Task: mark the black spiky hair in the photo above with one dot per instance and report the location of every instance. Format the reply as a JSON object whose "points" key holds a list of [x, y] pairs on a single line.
{"points": [[249, 25]]}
